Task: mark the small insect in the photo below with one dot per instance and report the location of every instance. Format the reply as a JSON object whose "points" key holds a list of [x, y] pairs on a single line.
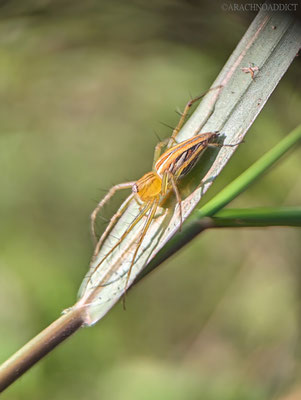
{"points": [[251, 69], [152, 189]]}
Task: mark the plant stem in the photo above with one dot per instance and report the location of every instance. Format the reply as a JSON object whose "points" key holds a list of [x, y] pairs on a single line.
{"points": [[39, 346], [257, 217]]}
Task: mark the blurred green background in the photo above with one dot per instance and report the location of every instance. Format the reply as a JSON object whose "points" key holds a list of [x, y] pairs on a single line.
{"points": [[84, 86]]}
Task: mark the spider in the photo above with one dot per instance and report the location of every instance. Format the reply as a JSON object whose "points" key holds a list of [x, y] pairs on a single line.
{"points": [[152, 189]]}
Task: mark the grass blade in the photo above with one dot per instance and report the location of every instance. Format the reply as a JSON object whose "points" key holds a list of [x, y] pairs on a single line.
{"points": [[231, 111], [257, 217]]}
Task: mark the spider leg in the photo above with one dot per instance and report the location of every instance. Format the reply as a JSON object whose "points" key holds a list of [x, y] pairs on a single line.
{"points": [[185, 112], [224, 145], [127, 231], [111, 224], [178, 197], [158, 149], [107, 197], [153, 208]]}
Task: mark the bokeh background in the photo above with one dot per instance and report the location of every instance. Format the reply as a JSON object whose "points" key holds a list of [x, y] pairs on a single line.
{"points": [[83, 89]]}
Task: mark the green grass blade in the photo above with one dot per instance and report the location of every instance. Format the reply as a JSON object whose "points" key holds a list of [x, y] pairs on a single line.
{"points": [[250, 175], [257, 217]]}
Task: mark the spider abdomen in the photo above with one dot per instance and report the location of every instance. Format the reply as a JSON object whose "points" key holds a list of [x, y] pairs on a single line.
{"points": [[180, 159]]}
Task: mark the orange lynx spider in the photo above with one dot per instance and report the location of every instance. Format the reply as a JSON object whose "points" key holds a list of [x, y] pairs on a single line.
{"points": [[152, 189]]}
